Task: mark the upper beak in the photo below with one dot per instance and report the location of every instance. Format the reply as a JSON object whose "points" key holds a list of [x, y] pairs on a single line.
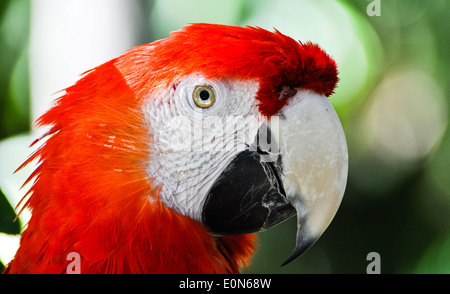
{"points": [[304, 172], [315, 164]]}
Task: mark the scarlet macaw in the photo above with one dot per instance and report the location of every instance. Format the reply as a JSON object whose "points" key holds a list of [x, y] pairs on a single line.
{"points": [[159, 161]]}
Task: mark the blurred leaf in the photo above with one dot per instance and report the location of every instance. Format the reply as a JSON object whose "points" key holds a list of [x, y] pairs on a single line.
{"points": [[7, 215], [170, 15], [14, 80], [14, 93], [436, 259]]}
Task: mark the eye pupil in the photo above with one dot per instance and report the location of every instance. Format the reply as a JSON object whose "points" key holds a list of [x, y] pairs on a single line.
{"points": [[204, 95]]}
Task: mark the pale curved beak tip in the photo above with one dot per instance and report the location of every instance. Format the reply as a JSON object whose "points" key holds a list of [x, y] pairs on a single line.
{"points": [[303, 243]]}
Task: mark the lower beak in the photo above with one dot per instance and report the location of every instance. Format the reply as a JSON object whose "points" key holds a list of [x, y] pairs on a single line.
{"points": [[304, 172]]}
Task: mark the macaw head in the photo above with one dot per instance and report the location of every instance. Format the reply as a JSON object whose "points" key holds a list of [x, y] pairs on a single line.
{"points": [[242, 133], [230, 127]]}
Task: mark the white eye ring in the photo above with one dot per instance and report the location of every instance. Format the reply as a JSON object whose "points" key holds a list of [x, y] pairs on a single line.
{"points": [[203, 96]]}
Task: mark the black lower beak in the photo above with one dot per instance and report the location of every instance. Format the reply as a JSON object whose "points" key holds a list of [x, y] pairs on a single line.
{"points": [[247, 197]]}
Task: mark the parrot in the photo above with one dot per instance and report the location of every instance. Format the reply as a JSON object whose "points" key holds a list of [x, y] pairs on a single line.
{"points": [[170, 158]]}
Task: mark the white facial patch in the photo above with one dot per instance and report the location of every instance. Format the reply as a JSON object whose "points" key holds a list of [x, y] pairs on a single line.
{"points": [[190, 145]]}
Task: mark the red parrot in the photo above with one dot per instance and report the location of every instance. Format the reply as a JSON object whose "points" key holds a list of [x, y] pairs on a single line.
{"points": [[170, 157]]}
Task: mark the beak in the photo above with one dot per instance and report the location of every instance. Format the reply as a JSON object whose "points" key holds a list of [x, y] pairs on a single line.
{"points": [[303, 171]]}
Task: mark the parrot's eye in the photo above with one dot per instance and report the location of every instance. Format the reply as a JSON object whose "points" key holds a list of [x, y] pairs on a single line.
{"points": [[203, 96]]}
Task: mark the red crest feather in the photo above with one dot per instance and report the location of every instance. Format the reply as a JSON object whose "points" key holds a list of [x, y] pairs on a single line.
{"points": [[219, 51]]}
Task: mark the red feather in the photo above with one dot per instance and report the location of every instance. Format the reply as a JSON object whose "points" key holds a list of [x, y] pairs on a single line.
{"points": [[91, 192], [220, 51]]}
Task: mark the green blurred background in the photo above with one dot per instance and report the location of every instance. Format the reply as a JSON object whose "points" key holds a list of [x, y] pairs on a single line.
{"points": [[392, 100]]}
